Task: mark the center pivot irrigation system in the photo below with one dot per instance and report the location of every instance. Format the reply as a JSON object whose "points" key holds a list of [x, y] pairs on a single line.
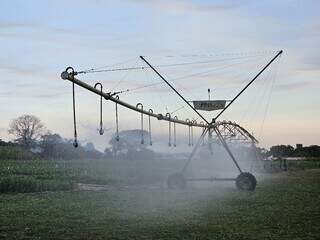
{"points": [[222, 131]]}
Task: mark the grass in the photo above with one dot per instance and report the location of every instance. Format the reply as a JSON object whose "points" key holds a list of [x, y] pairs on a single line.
{"points": [[52, 175], [293, 165], [310, 163], [45, 175], [284, 206]]}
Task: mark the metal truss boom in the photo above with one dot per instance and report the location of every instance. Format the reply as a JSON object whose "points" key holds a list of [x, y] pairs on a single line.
{"points": [[70, 75]]}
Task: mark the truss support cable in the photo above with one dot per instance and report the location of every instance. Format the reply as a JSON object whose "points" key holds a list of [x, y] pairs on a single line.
{"points": [[110, 70], [179, 78], [261, 71], [100, 69], [200, 115]]}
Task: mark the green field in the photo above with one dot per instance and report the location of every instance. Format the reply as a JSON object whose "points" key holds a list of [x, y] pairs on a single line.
{"points": [[137, 205], [43, 175]]}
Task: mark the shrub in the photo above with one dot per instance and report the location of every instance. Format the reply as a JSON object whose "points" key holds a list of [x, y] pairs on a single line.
{"points": [[16, 153], [24, 184]]}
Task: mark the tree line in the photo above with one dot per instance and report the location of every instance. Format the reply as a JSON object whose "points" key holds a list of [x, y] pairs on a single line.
{"points": [[33, 140], [279, 151]]}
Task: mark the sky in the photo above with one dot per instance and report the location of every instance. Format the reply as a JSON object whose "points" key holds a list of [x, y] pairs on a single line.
{"points": [[39, 39]]}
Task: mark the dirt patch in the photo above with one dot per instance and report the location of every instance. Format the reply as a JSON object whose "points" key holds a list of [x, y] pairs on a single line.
{"points": [[101, 188], [95, 187]]}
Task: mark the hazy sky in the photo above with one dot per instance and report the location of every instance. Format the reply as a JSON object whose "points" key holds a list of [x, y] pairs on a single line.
{"points": [[38, 39]]}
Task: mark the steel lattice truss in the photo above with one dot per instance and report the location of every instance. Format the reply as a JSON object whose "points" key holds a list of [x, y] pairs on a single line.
{"points": [[233, 132]]}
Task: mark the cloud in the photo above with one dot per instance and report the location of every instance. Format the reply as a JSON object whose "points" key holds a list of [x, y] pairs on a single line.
{"points": [[310, 62], [28, 26], [50, 95], [314, 30], [22, 93], [36, 73], [292, 86], [190, 6], [11, 25], [18, 70], [29, 82]]}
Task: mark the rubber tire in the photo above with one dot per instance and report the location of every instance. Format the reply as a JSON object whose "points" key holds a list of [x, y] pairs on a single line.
{"points": [[177, 181], [246, 182]]}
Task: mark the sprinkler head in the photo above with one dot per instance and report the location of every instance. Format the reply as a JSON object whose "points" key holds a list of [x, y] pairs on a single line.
{"points": [[101, 131], [64, 75], [75, 144]]}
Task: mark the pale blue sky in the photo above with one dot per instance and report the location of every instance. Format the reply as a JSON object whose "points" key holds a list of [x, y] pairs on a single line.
{"points": [[38, 39]]}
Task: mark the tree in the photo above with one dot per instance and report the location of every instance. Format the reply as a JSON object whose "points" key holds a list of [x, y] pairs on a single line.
{"points": [[27, 129], [311, 151], [129, 146], [107, 153], [2, 143], [55, 147], [89, 146], [91, 152], [51, 145], [262, 152], [281, 151]]}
